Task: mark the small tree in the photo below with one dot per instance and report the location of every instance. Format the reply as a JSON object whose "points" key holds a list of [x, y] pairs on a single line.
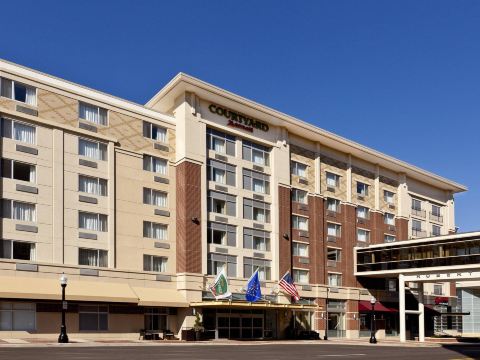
{"points": [[198, 325]]}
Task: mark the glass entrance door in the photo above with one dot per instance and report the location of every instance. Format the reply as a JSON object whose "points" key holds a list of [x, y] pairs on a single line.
{"points": [[239, 325]]}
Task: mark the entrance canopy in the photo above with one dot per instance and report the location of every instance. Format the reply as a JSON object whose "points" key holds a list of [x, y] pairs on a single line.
{"points": [[259, 305], [365, 306]]}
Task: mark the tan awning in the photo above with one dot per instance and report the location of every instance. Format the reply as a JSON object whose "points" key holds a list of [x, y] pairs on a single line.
{"points": [[160, 297], [261, 305]]}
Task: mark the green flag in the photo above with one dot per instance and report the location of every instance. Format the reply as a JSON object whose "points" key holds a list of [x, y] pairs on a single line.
{"points": [[219, 288]]}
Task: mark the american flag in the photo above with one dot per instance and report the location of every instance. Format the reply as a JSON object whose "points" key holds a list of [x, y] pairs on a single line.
{"points": [[287, 284]]}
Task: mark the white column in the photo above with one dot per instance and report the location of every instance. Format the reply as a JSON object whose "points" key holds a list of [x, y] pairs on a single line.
{"points": [[401, 300], [318, 173], [377, 187], [421, 315], [349, 179]]}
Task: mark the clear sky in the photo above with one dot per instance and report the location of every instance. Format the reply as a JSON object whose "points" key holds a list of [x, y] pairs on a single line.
{"points": [[402, 77]]}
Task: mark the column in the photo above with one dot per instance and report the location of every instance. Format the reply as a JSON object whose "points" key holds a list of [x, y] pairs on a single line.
{"points": [[401, 300], [349, 179], [318, 173], [58, 194], [421, 315], [377, 187]]}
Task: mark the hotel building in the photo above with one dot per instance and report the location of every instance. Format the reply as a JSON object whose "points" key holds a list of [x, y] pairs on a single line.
{"points": [[141, 205]]}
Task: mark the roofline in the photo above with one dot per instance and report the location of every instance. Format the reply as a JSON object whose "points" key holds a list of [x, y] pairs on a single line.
{"points": [[65, 85], [409, 169]]}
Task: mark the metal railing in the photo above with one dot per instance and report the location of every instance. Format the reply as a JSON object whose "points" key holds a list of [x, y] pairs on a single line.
{"points": [[419, 212], [437, 218], [419, 233]]}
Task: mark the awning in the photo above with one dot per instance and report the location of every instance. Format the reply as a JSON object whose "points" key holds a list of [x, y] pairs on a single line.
{"points": [[254, 305], [159, 297], [365, 306]]}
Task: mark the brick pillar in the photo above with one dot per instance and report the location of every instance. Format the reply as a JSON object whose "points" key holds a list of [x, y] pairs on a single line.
{"points": [[453, 288], [401, 225], [189, 233], [320, 323], [284, 227], [349, 239], [352, 322], [317, 240], [377, 228]]}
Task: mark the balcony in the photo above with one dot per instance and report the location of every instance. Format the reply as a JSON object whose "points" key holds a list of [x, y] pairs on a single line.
{"points": [[419, 212], [419, 233], [436, 218]]}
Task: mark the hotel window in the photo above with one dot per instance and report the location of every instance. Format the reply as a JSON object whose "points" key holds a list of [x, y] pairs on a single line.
{"points": [[256, 239], [255, 153], [363, 212], [300, 276], [256, 182], [417, 227], [154, 197], [250, 265], [392, 285], [437, 289], [92, 257], [436, 230], [92, 113], [221, 234], [417, 208], [334, 230], [221, 203], [92, 185], [93, 317], [156, 319], [17, 316], [362, 189], [154, 164], [333, 180], [334, 279], [155, 231], [363, 235], [333, 205], [256, 210], [299, 196], [220, 142], [221, 173], [154, 263], [388, 238], [300, 249], [17, 91], [388, 196], [92, 221], [299, 169], [19, 250], [18, 170], [19, 131], [154, 132], [19, 210], [333, 254], [389, 219], [92, 149], [299, 222], [217, 262]]}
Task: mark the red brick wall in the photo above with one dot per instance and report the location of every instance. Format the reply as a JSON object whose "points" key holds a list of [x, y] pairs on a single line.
{"points": [[349, 239], [317, 240], [402, 229], [285, 245]]}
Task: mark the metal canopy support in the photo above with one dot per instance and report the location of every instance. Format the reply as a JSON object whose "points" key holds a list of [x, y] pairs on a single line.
{"points": [[421, 314], [401, 293]]}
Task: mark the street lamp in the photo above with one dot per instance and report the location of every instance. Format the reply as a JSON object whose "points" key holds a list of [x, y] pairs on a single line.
{"points": [[63, 337], [373, 339]]}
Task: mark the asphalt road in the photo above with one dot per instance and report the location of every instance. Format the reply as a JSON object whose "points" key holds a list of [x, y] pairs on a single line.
{"points": [[241, 352]]}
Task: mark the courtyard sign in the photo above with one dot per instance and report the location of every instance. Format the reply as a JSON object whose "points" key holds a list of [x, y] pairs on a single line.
{"points": [[238, 120], [444, 276]]}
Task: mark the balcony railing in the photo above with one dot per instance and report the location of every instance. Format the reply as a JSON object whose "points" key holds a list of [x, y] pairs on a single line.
{"points": [[437, 218], [419, 233], [419, 212]]}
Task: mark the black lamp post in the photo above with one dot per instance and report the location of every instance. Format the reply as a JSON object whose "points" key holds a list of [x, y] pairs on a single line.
{"points": [[63, 337], [373, 339]]}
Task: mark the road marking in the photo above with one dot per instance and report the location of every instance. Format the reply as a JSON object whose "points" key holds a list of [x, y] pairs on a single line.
{"points": [[340, 355]]}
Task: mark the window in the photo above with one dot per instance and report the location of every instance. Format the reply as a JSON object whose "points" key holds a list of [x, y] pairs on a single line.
{"points": [[154, 263], [299, 169], [256, 239], [416, 225], [300, 249], [220, 142], [256, 182], [156, 319], [333, 205], [363, 212], [255, 153], [333, 180], [363, 235], [334, 279], [94, 114], [216, 263], [155, 231], [221, 173], [437, 289], [92, 185], [92, 221], [17, 170], [19, 131], [392, 285], [333, 254], [93, 317], [92, 257], [19, 250], [389, 219], [334, 230], [154, 132], [436, 210], [300, 276], [299, 196], [92, 149], [299, 222], [221, 203], [256, 210], [250, 265], [154, 197], [388, 196], [221, 234], [17, 316], [416, 205], [388, 238], [17, 91], [18, 210], [436, 230], [154, 164], [362, 189]]}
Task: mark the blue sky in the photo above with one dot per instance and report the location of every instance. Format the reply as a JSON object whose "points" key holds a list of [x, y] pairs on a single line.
{"points": [[402, 77]]}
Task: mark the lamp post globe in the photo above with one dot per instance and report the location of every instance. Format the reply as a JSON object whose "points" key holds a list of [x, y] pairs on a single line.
{"points": [[63, 337], [373, 339]]}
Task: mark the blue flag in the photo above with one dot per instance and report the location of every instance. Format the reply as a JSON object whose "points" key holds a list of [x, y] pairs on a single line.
{"points": [[253, 288]]}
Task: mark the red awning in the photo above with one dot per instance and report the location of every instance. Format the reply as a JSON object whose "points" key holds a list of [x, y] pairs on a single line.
{"points": [[365, 306]]}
